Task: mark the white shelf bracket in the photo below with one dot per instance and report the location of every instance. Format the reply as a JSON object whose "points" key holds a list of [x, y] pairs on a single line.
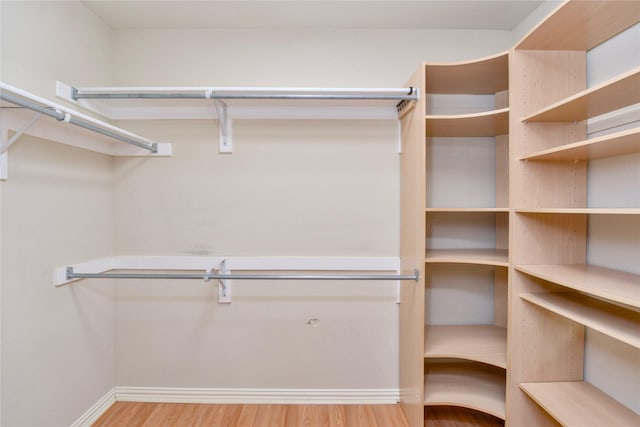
{"points": [[7, 142], [225, 144], [224, 285]]}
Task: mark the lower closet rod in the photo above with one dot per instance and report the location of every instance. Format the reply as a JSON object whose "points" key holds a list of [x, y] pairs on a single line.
{"points": [[206, 276]]}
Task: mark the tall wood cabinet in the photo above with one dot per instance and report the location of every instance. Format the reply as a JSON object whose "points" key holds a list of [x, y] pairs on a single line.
{"points": [[456, 144], [495, 215], [555, 293]]}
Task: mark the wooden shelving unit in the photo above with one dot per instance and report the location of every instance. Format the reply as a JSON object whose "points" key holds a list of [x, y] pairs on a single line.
{"points": [[578, 404], [479, 343], [542, 218], [465, 385], [555, 295], [478, 380]]}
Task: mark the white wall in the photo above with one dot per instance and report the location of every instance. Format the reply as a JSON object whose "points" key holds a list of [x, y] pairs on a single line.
{"points": [[56, 208], [317, 188]]}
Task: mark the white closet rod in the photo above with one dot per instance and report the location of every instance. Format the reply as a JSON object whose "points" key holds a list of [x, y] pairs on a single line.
{"points": [[410, 94], [61, 115], [207, 276]]}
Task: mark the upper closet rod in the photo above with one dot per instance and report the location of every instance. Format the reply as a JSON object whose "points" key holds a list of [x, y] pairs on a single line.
{"points": [[62, 116], [410, 95], [207, 276]]}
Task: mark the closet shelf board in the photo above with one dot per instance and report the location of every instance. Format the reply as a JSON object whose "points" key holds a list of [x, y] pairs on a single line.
{"points": [[478, 343], [612, 285], [582, 25], [609, 319], [465, 210], [614, 144], [485, 124], [582, 211], [616, 93], [464, 385], [579, 404], [496, 257], [482, 76]]}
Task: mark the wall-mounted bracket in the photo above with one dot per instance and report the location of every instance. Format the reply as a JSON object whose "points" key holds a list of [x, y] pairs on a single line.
{"points": [[6, 143], [224, 285], [225, 144]]}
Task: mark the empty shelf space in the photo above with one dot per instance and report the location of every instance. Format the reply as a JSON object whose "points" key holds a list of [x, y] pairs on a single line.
{"points": [[615, 144], [479, 343], [616, 93], [465, 385], [581, 25], [582, 211], [497, 257], [578, 404], [616, 286], [483, 76], [611, 320], [487, 123]]}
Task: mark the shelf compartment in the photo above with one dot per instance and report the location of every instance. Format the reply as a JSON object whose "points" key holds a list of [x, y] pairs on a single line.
{"points": [[616, 93], [578, 403], [582, 211], [496, 257], [465, 385], [483, 76], [615, 144], [581, 25], [613, 285], [479, 343], [484, 124], [613, 321]]}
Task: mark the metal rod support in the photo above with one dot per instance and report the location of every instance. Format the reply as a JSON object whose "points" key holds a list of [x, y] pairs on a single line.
{"points": [[61, 116], [207, 276]]}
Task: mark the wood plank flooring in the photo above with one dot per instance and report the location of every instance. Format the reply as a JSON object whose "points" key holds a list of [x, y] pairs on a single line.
{"points": [[137, 414]]}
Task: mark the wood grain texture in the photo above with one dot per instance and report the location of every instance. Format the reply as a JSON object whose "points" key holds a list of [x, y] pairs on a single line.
{"points": [[483, 76], [449, 416], [143, 414]]}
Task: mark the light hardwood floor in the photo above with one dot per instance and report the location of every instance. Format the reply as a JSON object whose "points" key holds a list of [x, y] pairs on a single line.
{"points": [[134, 414]]}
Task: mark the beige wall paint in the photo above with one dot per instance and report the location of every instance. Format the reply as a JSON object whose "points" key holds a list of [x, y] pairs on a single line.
{"points": [[57, 344], [308, 187]]}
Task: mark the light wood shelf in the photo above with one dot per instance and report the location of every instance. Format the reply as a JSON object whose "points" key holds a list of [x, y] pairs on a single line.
{"points": [[613, 285], [465, 210], [479, 343], [619, 92], [582, 211], [580, 404], [616, 322], [581, 25], [496, 257], [615, 144], [482, 76], [464, 385], [484, 124]]}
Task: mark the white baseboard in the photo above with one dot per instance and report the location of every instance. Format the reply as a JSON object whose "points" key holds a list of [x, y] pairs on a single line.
{"points": [[99, 408], [257, 395]]}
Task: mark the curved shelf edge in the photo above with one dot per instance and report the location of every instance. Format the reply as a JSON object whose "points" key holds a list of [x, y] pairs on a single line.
{"points": [[478, 343], [486, 75], [484, 124], [494, 257], [467, 386]]}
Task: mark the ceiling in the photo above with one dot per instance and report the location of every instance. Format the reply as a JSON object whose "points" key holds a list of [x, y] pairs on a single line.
{"points": [[254, 14]]}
